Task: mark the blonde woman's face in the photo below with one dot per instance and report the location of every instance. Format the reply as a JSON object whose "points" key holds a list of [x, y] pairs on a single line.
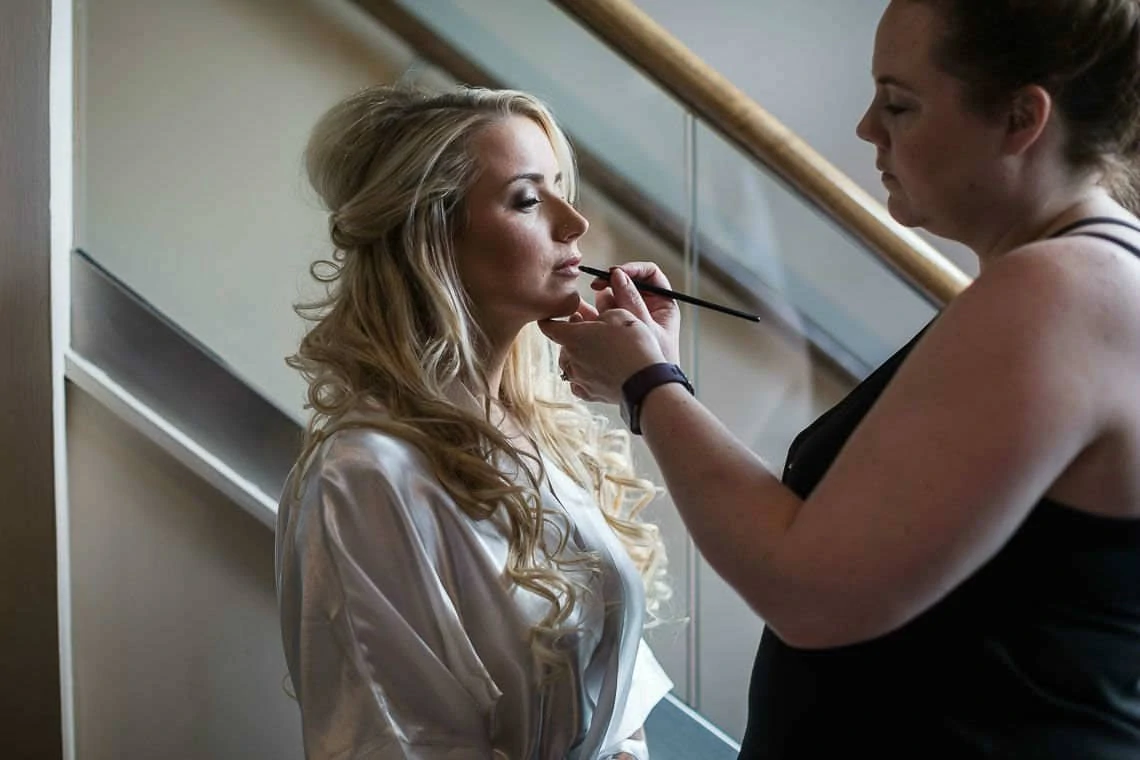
{"points": [[518, 253]]}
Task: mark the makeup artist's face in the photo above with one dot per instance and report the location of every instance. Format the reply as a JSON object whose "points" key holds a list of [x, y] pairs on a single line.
{"points": [[937, 154], [518, 253]]}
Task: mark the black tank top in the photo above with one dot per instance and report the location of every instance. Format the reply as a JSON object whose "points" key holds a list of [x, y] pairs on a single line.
{"points": [[1035, 657]]}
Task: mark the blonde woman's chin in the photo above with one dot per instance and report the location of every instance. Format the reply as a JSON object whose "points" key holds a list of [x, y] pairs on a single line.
{"points": [[567, 307]]}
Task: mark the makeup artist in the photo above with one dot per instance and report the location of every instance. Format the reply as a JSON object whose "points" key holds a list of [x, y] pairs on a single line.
{"points": [[950, 564]]}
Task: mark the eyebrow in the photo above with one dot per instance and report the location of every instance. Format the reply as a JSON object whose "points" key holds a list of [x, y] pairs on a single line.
{"points": [[887, 79], [535, 177]]}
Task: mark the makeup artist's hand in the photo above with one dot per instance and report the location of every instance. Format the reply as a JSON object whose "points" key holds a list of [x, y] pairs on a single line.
{"points": [[664, 316], [600, 351]]}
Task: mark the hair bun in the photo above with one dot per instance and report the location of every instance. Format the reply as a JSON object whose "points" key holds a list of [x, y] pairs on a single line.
{"points": [[341, 237]]}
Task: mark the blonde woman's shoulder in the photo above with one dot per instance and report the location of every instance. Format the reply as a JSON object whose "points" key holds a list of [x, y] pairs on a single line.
{"points": [[359, 444]]}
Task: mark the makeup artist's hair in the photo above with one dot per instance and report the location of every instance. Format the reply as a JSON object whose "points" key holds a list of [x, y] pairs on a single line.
{"points": [[393, 165], [1085, 53]]}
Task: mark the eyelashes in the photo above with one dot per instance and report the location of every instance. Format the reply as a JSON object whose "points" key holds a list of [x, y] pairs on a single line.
{"points": [[529, 202]]}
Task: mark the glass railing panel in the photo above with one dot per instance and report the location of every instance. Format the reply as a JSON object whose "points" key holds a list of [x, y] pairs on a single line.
{"points": [[841, 295], [854, 305], [767, 382]]}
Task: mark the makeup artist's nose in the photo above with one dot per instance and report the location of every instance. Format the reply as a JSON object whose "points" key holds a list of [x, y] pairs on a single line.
{"points": [[870, 130], [572, 225]]}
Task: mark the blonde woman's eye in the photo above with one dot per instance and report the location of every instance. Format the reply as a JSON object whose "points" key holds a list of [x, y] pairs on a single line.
{"points": [[530, 202]]}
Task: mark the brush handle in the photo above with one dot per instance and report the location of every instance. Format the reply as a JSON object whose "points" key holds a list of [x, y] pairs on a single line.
{"points": [[647, 288]]}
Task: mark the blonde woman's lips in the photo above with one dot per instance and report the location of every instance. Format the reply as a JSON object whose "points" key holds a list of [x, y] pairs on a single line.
{"points": [[569, 267]]}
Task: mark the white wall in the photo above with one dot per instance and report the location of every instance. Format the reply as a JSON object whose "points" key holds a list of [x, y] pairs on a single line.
{"points": [[191, 123]]}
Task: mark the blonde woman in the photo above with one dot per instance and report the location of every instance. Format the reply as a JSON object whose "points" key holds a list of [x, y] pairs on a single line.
{"points": [[461, 571]]}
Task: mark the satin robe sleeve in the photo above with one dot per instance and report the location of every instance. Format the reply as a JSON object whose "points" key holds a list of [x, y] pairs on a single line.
{"points": [[382, 666], [650, 685]]}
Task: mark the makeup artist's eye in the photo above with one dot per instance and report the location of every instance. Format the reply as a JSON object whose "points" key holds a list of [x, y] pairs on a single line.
{"points": [[893, 109]]}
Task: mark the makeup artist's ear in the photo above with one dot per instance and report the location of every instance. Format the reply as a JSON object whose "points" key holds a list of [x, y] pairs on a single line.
{"points": [[1028, 116]]}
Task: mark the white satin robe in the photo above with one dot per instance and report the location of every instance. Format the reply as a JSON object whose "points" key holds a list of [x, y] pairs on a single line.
{"points": [[405, 641]]}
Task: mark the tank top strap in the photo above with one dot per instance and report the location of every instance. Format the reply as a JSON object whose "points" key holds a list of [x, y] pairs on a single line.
{"points": [[1091, 220], [1094, 220]]}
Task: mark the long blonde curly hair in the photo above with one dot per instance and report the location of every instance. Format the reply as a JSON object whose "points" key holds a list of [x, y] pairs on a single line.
{"points": [[392, 166]]}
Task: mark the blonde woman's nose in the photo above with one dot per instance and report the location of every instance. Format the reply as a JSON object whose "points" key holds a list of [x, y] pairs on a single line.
{"points": [[574, 225]]}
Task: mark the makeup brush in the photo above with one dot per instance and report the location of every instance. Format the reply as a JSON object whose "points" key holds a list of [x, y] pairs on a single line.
{"points": [[647, 288]]}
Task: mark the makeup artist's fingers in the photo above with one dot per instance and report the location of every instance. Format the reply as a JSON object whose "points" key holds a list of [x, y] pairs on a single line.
{"points": [[664, 313], [586, 313], [598, 356], [604, 299], [626, 296], [646, 271], [581, 392], [642, 271], [659, 313], [664, 308]]}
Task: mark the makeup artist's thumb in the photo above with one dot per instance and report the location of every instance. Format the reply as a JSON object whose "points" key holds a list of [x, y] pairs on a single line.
{"points": [[555, 330], [626, 295]]}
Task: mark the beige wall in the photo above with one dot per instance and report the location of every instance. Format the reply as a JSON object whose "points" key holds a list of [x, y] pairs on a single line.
{"points": [[29, 645], [192, 120], [177, 649]]}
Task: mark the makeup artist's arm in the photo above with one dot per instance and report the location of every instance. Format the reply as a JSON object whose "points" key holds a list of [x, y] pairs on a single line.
{"points": [[914, 503]]}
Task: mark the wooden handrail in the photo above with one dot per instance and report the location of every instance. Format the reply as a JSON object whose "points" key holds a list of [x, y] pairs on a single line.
{"points": [[710, 96]]}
